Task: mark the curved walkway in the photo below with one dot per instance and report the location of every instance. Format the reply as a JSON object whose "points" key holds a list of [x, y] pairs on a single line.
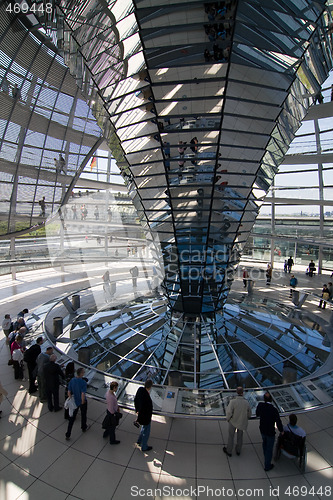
{"points": [[36, 462]]}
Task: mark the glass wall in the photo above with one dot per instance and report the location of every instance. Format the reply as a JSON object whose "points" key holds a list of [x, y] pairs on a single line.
{"points": [[297, 216]]}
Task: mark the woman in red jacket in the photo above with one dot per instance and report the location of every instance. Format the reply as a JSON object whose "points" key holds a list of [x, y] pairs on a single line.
{"points": [[17, 350]]}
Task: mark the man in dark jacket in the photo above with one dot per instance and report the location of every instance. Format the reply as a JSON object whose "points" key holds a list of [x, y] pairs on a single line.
{"points": [[290, 263], [269, 416], [30, 357], [52, 375], [144, 409]]}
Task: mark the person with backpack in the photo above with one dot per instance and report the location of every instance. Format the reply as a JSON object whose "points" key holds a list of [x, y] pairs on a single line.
{"points": [[325, 295]]}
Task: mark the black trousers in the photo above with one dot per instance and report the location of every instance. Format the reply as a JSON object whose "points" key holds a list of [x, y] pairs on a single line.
{"points": [[111, 430], [83, 409], [32, 371], [18, 370], [52, 394]]}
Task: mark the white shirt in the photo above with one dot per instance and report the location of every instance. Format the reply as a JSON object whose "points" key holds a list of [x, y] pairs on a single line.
{"points": [[6, 324]]}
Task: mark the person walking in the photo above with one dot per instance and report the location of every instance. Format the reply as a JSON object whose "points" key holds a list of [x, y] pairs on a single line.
{"points": [[30, 357], [107, 286], [269, 272], [69, 374], [52, 375], [245, 277], [293, 283], [269, 416], [77, 389], [325, 295], [290, 264], [144, 408], [112, 413], [238, 413], [311, 268]]}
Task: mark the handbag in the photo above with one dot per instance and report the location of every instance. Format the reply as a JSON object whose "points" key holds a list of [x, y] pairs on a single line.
{"points": [[10, 362], [111, 420], [107, 421]]}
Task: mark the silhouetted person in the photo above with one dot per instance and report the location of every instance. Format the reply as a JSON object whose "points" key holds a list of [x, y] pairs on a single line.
{"points": [[325, 295], [144, 408], [290, 264], [135, 273], [312, 268], [30, 357], [269, 416], [52, 375], [42, 204], [16, 93]]}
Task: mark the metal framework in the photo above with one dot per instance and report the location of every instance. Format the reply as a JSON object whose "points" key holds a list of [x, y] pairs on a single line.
{"points": [[198, 102], [304, 186], [202, 102], [47, 131]]}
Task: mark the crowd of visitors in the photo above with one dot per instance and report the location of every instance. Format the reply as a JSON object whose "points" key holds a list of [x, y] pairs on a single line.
{"points": [[326, 294], [218, 30], [50, 375], [42, 365]]}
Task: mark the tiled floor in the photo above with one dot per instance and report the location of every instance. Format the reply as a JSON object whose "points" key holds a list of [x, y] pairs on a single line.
{"points": [[187, 460]]}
